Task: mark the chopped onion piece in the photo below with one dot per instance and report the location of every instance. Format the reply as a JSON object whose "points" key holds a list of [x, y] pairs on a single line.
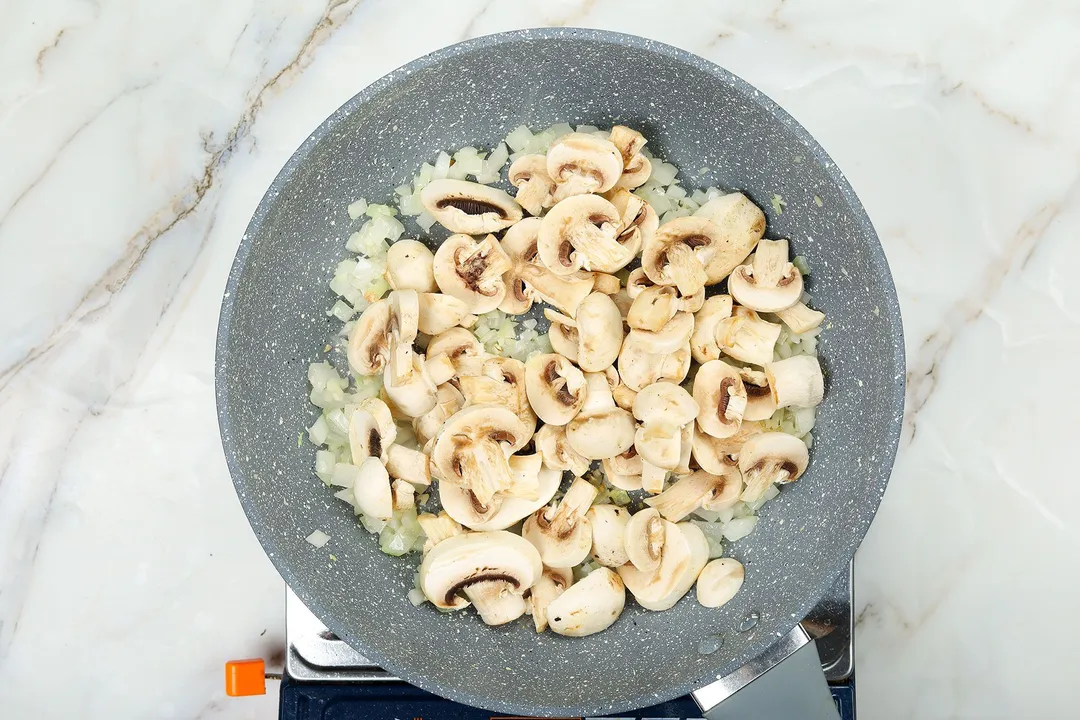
{"points": [[318, 538]]}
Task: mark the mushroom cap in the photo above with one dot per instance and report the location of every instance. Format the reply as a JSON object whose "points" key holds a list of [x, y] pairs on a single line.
{"points": [[408, 266], [653, 308], [674, 335], [703, 345], [721, 398], [564, 340], [581, 163], [473, 447], [369, 339], [371, 490], [555, 387], [760, 403], [467, 207], [465, 560], [636, 282], [472, 271], [371, 430], [741, 224], [600, 332], [580, 232], [535, 188], [719, 581], [460, 504], [652, 585], [439, 312], [644, 538], [414, 395], [624, 471], [588, 606], [769, 282], [552, 583], [717, 455], [551, 443], [665, 402], [795, 382], [659, 444], [601, 430], [608, 534], [746, 337], [771, 457], [698, 557]]}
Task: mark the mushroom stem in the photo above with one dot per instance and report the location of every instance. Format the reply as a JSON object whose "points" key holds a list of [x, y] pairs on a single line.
{"points": [[491, 471], [573, 506], [685, 269]]}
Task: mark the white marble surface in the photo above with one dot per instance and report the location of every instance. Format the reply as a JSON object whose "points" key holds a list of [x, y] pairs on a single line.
{"points": [[138, 137]]}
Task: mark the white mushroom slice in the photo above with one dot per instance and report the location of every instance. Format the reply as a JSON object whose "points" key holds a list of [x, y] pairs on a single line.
{"points": [[602, 429], [741, 225], [369, 339], [686, 449], [678, 252], [403, 495], [588, 606], [653, 308], [562, 334], [488, 568], [653, 477], [580, 163], [409, 465], [500, 381], [703, 345], [581, 232], [760, 403], [769, 282], [636, 174], [623, 301], [636, 282], [674, 335], [644, 538], [458, 344], [746, 337], [371, 490], [624, 471], [637, 223], [665, 402], [371, 431], [659, 444], [639, 365], [471, 270], [408, 267], [800, 318], [627, 141], [413, 396], [404, 325], [535, 188], [438, 528], [551, 443], [448, 400], [528, 280], [552, 583], [440, 312], [718, 455], [602, 281], [467, 207], [795, 382], [771, 457], [504, 510], [727, 495], [651, 586], [721, 398], [440, 368], [473, 447], [562, 533], [689, 493], [719, 581], [555, 387], [697, 559], [600, 332], [609, 534]]}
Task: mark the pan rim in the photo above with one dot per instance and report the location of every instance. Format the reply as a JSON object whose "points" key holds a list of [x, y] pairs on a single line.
{"points": [[880, 266]]}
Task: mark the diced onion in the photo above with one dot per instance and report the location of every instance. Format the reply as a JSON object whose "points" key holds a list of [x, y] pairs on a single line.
{"points": [[318, 538]]}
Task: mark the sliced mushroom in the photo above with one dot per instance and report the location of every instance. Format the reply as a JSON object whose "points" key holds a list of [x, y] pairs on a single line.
{"points": [[689, 493], [741, 224], [581, 232], [500, 381], [404, 323], [697, 558], [408, 267], [371, 431], [636, 167], [746, 337], [438, 528], [659, 444], [371, 490], [674, 335], [795, 382], [471, 271], [551, 443], [663, 409], [602, 429], [562, 533], [440, 369], [800, 318], [600, 332], [718, 455], [719, 581], [473, 447], [602, 281], [403, 495], [528, 280], [562, 336], [555, 387], [678, 252], [760, 403], [636, 282], [624, 471], [489, 569], [369, 339], [703, 345], [440, 312], [580, 163], [503, 510], [609, 534], [771, 457], [650, 586], [686, 449], [467, 207], [665, 402], [458, 344], [552, 583], [721, 397], [588, 606], [637, 222], [653, 477], [448, 400], [409, 465], [636, 174], [640, 364], [535, 188], [769, 282], [644, 538]]}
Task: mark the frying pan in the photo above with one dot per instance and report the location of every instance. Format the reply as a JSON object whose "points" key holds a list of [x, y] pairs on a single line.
{"points": [[720, 131]]}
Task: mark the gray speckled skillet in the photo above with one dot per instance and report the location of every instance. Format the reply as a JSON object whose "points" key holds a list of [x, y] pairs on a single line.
{"points": [[273, 324]]}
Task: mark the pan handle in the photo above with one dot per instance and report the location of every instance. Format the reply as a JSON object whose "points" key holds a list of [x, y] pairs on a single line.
{"points": [[786, 682]]}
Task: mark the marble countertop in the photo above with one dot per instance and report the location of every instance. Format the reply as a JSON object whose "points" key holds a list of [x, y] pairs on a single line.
{"points": [[137, 139]]}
